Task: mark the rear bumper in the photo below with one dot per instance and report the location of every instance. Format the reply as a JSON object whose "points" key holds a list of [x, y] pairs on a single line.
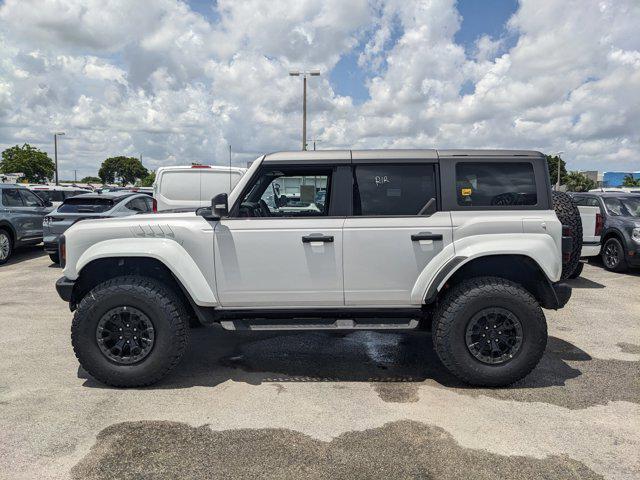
{"points": [[590, 249], [64, 287], [51, 244]]}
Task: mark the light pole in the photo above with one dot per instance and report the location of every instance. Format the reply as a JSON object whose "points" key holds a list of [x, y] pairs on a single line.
{"points": [[304, 74], [55, 152], [558, 180]]}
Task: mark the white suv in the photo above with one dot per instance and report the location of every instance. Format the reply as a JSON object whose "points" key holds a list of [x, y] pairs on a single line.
{"points": [[463, 242]]}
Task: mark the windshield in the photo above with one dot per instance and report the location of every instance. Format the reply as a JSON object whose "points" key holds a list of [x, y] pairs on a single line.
{"points": [[623, 206], [86, 205]]}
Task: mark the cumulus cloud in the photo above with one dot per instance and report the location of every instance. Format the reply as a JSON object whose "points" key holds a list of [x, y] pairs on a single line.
{"points": [[161, 80]]}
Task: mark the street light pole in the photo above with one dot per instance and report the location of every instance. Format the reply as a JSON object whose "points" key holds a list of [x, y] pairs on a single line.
{"points": [[55, 153], [304, 74]]}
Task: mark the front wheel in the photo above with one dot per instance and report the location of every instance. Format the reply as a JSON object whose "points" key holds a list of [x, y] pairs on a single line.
{"points": [[130, 331], [489, 332], [613, 255]]}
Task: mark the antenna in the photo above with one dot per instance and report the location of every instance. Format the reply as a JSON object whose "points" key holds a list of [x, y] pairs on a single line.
{"points": [[229, 168]]}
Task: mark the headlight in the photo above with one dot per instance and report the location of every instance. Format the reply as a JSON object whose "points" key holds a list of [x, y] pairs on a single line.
{"points": [[635, 234]]}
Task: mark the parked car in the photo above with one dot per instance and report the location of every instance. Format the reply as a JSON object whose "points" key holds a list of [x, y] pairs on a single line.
{"points": [[621, 227], [592, 223], [90, 206], [465, 242], [56, 194], [21, 214], [193, 186]]}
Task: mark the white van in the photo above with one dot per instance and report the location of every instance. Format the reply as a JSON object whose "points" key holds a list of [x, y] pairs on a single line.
{"points": [[193, 186]]}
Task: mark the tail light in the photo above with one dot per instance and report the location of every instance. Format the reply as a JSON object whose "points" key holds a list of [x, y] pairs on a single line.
{"points": [[155, 206], [62, 251], [599, 224]]}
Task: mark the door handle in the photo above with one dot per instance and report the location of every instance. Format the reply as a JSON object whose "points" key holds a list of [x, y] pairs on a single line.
{"points": [[317, 238], [416, 237]]}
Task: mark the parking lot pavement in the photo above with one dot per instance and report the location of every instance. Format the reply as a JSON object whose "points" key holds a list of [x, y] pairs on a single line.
{"points": [[317, 405]]}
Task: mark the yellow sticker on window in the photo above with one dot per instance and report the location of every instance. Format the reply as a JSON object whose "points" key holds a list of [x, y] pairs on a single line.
{"points": [[465, 192]]}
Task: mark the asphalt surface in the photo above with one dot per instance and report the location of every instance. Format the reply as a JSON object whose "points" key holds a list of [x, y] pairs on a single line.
{"points": [[316, 405]]}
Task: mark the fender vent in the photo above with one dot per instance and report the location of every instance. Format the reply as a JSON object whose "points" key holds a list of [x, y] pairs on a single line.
{"points": [[153, 231]]}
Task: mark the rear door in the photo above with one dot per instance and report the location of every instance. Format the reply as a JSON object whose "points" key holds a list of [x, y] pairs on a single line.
{"points": [[35, 211], [395, 230]]}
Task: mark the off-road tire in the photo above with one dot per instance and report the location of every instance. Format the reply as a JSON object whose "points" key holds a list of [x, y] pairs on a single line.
{"points": [[7, 235], [457, 309], [55, 258], [167, 313], [569, 215], [577, 271], [621, 265]]}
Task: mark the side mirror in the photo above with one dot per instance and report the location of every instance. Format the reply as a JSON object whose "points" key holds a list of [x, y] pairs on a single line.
{"points": [[220, 205], [48, 203]]}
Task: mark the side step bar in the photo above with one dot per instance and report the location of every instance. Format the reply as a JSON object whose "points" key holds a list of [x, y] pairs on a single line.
{"points": [[321, 324]]}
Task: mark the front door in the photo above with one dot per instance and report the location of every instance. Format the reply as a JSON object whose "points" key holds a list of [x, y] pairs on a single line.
{"points": [[395, 231], [279, 247]]}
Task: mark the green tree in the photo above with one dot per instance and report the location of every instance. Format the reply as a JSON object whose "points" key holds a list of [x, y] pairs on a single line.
{"points": [[629, 181], [36, 165], [123, 169], [147, 181], [91, 179], [552, 163], [579, 182]]}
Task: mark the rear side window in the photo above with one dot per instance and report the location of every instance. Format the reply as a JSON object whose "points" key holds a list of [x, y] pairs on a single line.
{"points": [[393, 189], [181, 185], [86, 205], [11, 198], [497, 184], [30, 199]]}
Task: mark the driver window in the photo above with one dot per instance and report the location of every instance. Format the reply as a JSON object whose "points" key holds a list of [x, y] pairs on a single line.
{"points": [[288, 193], [613, 205], [496, 184]]}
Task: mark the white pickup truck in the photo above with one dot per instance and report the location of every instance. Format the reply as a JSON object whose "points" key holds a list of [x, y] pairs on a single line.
{"points": [[591, 229]]}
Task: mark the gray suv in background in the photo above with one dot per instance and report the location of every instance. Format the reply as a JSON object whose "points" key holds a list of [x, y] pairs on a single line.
{"points": [[21, 214], [91, 206], [621, 230]]}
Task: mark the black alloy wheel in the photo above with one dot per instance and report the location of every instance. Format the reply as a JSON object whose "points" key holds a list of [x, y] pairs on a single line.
{"points": [[494, 335], [125, 335], [613, 255]]}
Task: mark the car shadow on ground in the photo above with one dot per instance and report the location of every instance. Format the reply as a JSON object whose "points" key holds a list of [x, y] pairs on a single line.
{"points": [[408, 358], [23, 254], [597, 262], [582, 282]]}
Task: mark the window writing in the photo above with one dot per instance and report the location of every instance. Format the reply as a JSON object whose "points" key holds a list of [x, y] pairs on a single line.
{"points": [[393, 189]]}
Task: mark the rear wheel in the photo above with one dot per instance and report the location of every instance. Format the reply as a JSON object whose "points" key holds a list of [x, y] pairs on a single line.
{"points": [[6, 246], [489, 332], [613, 255], [130, 331]]}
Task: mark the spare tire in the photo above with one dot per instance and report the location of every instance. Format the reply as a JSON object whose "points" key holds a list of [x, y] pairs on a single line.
{"points": [[569, 215]]}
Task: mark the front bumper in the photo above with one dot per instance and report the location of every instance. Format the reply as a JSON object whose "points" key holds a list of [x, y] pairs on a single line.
{"points": [[64, 287]]}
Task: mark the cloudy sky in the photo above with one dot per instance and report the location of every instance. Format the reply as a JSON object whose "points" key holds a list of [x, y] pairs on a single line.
{"points": [[178, 81]]}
